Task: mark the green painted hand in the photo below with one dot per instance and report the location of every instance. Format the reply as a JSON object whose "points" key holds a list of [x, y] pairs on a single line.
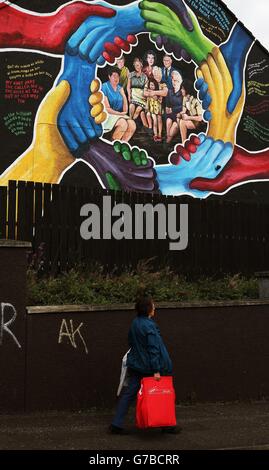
{"points": [[113, 182], [132, 155], [137, 156], [159, 19]]}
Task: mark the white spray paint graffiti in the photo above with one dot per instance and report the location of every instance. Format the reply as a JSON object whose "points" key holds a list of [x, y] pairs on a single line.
{"points": [[70, 334], [5, 324]]}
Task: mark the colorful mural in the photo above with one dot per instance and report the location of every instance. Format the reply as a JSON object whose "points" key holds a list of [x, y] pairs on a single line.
{"points": [[168, 95]]}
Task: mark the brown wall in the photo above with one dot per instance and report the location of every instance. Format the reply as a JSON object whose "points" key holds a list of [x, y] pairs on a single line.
{"points": [[219, 353], [70, 357], [12, 348]]}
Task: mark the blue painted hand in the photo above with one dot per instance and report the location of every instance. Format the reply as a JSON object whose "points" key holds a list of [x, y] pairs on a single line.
{"points": [[76, 122], [90, 38], [208, 158], [234, 51]]}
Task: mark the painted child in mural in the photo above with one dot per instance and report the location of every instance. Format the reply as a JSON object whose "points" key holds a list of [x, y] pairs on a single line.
{"points": [[99, 33], [154, 109], [161, 93]]}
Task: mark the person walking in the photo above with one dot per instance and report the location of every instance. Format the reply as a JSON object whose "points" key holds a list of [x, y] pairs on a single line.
{"points": [[147, 357]]}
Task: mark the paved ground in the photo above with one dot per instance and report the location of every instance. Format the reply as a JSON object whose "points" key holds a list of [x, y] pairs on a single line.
{"points": [[206, 426]]}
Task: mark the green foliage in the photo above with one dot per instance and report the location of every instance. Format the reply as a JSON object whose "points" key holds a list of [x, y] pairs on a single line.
{"points": [[92, 285]]}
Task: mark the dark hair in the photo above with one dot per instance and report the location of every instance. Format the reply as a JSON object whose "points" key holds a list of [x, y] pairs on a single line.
{"points": [[188, 86], [156, 84], [144, 305], [113, 70], [150, 52]]}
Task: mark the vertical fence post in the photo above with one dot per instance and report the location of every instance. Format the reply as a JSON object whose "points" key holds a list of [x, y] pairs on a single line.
{"points": [[225, 237]]}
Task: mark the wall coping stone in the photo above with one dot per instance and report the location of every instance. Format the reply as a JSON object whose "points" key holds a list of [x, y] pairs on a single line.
{"points": [[262, 274], [161, 305], [14, 244]]}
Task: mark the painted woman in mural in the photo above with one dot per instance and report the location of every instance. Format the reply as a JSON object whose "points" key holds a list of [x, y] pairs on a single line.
{"points": [[192, 112], [116, 105], [69, 123]]}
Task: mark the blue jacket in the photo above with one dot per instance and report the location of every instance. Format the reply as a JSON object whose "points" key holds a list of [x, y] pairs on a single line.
{"points": [[148, 353], [168, 80]]}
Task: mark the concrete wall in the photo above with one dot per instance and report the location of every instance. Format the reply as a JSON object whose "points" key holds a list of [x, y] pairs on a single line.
{"points": [[220, 352], [69, 357]]}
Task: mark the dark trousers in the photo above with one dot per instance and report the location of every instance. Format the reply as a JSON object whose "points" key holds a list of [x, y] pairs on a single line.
{"points": [[128, 395]]}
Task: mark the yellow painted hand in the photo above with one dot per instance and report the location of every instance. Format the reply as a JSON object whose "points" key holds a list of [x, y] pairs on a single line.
{"points": [[48, 156], [215, 73], [96, 98]]}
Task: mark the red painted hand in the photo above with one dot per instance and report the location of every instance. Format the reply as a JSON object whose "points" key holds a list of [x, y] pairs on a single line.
{"points": [[48, 33], [185, 151], [243, 166], [114, 49]]}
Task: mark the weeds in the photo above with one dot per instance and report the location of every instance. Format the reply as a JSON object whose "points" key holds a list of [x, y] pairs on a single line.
{"points": [[91, 285]]}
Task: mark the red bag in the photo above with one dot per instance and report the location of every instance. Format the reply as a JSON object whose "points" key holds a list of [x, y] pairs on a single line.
{"points": [[155, 406]]}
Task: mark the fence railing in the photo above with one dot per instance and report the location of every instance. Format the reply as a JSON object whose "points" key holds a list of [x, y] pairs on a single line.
{"points": [[224, 236]]}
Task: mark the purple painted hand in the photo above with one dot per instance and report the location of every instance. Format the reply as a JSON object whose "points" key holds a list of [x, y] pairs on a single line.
{"points": [[121, 167]]}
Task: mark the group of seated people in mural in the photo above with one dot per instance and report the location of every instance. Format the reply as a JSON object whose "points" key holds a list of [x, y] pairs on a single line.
{"points": [[166, 104]]}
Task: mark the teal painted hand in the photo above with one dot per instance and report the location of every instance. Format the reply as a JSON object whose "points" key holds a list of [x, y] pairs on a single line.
{"points": [[95, 33], [202, 157], [161, 20]]}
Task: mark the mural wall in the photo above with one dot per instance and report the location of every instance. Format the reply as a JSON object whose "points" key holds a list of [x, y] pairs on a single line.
{"points": [[170, 96]]}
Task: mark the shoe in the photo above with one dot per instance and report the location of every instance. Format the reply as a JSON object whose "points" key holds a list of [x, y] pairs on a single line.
{"points": [[116, 430], [149, 130], [172, 430]]}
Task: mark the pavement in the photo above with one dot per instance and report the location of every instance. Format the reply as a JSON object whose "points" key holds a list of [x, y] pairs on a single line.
{"points": [[205, 426]]}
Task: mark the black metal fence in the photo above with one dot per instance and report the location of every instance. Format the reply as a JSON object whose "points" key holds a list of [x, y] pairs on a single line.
{"points": [[224, 236]]}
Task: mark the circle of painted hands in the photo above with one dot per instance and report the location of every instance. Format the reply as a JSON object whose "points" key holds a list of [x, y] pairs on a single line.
{"points": [[70, 118]]}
